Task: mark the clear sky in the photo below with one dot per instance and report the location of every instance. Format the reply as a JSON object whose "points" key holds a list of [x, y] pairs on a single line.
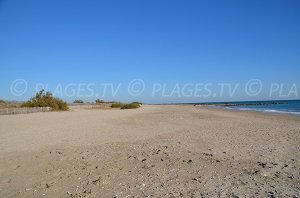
{"points": [[159, 41]]}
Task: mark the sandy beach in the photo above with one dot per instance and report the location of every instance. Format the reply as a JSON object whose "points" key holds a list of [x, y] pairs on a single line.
{"points": [[153, 151]]}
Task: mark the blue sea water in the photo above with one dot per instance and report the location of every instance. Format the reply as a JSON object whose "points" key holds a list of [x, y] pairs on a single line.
{"points": [[275, 106]]}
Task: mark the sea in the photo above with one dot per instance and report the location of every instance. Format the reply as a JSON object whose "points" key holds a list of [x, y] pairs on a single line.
{"points": [[273, 106]]}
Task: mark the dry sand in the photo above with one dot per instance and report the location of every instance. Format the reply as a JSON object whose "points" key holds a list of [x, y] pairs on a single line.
{"points": [[154, 151]]}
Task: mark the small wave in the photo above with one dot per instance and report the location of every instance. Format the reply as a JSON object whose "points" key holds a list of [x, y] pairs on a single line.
{"points": [[240, 108], [278, 111], [264, 110]]}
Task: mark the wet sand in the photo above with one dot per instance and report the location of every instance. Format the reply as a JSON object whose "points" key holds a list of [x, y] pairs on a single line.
{"points": [[156, 150]]}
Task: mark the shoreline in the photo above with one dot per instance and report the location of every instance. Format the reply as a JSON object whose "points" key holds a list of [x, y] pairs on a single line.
{"points": [[271, 112]]}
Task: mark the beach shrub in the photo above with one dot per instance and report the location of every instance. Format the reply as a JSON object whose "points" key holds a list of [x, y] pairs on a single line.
{"points": [[98, 101], [133, 105], [46, 99], [116, 105], [78, 101]]}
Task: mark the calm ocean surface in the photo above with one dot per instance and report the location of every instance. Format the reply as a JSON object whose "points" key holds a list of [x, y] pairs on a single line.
{"points": [[286, 106]]}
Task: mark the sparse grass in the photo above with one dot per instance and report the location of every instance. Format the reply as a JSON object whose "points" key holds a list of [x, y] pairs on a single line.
{"points": [[7, 104], [42, 99], [133, 105]]}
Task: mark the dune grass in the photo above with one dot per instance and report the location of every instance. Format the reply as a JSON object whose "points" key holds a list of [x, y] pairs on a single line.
{"points": [[133, 105], [116, 105]]}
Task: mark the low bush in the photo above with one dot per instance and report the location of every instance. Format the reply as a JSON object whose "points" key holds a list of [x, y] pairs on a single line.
{"points": [[42, 99], [98, 101], [116, 105], [133, 105], [78, 101]]}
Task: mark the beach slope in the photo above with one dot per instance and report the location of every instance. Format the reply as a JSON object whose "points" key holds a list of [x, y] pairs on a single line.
{"points": [[156, 150]]}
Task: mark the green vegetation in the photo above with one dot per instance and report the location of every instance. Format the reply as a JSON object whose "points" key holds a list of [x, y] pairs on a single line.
{"points": [[133, 105], [116, 105], [98, 101], [42, 99], [2, 101], [78, 101]]}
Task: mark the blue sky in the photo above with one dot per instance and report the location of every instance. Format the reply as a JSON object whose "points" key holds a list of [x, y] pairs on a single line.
{"points": [[158, 41]]}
